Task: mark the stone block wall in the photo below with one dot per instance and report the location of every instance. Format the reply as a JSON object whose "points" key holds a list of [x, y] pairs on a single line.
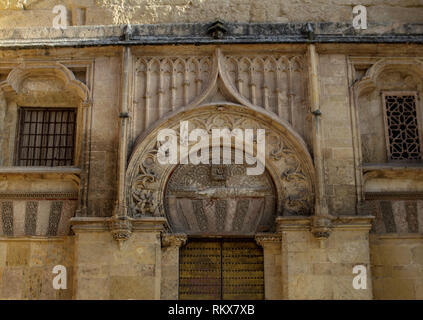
{"points": [[338, 152], [105, 271], [397, 266], [104, 130], [313, 272], [26, 267]]}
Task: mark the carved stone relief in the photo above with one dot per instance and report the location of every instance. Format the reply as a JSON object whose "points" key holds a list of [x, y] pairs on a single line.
{"points": [[288, 163], [165, 84], [198, 203]]}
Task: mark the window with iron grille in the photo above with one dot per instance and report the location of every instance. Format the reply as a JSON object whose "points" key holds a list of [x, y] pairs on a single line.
{"points": [[403, 135], [46, 137]]}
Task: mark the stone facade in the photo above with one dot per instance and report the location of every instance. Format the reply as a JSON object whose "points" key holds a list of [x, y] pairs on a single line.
{"points": [[331, 197]]}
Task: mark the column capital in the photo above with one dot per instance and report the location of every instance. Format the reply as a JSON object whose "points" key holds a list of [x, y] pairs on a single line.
{"points": [[174, 240], [265, 238]]}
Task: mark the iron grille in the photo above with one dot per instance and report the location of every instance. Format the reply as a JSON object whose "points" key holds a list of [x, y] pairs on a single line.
{"points": [[402, 127], [46, 137]]}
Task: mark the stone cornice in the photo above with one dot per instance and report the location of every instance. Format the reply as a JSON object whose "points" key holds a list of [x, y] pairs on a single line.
{"points": [[353, 223], [337, 223], [199, 33], [293, 223], [393, 195], [99, 224], [396, 236], [39, 170], [34, 239]]}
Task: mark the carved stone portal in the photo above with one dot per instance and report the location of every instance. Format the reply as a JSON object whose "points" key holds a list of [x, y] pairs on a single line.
{"points": [[150, 185]]}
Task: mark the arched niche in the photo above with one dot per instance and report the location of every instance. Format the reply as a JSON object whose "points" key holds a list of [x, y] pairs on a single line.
{"points": [[386, 75], [287, 161]]}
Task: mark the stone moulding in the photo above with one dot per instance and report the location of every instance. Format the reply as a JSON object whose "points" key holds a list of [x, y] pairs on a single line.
{"points": [[39, 195], [14, 84], [102, 224], [369, 81], [34, 239], [197, 33], [337, 223], [393, 195]]}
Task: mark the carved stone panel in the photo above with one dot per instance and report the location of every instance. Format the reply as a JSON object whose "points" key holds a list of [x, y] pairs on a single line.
{"points": [[236, 203]]}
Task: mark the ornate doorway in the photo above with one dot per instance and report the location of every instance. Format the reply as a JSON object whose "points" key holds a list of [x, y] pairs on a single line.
{"points": [[221, 269]]}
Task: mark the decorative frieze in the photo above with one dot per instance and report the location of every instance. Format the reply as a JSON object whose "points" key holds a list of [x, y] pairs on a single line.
{"points": [[54, 218], [31, 217], [7, 217]]}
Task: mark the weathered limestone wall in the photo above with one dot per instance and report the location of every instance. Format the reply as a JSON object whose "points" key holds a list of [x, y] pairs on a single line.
{"points": [[27, 13], [170, 273], [104, 135], [312, 272], [26, 265], [338, 152], [397, 266], [103, 271], [273, 262]]}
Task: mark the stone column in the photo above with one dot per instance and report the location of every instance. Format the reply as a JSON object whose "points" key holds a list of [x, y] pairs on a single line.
{"points": [[171, 243], [271, 244]]}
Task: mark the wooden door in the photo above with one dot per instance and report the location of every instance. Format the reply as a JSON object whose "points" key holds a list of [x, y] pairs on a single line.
{"points": [[222, 269]]}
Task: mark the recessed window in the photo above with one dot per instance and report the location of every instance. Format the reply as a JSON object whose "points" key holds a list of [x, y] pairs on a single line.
{"points": [[46, 137], [403, 136]]}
